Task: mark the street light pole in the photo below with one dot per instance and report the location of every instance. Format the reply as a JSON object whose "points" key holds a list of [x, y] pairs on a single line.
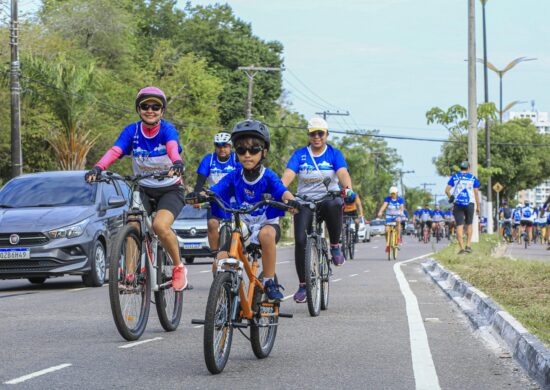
{"points": [[472, 105], [16, 150]]}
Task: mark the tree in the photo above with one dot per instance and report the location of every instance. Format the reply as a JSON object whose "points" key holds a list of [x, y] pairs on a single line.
{"points": [[416, 197]]}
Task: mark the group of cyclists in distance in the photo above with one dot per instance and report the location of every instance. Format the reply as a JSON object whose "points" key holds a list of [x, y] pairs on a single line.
{"points": [[235, 172], [525, 223]]}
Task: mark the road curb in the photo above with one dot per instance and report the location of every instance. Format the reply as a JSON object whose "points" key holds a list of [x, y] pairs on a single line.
{"points": [[482, 311]]}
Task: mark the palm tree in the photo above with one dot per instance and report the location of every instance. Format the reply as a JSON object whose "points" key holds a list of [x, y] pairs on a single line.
{"points": [[66, 89]]}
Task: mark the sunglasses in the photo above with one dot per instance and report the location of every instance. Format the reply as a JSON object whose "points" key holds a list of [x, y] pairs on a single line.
{"points": [[154, 106], [318, 133], [221, 145], [252, 150]]}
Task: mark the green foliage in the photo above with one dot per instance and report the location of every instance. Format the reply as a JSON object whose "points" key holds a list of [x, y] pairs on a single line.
{"points": [[415, 197]]}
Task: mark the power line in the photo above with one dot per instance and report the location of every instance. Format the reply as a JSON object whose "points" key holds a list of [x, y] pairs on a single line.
{"points": [[310, 90]]}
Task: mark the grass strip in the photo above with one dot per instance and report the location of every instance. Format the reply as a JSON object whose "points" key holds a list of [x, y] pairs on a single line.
{"points": [[521, 287]]}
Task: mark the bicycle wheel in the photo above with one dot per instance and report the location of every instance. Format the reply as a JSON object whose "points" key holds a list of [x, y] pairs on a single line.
{"points": [[218, 332], [390, 242], [351, 244], [169, 302], [325, 275], [264, 330], [225, 237], [129, 284], [394, 245], [344, 244], [313, 279]]}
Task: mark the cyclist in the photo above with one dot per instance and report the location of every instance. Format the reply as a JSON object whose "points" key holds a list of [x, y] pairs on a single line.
{"points": [[153, 144], [438, 218], [448, 217], [542, 224], [516, 217], [393, 206], [426, 219], [405, 219], [465, 197], [354, 209], [312, 164], [417, 222], [247, 183], [213, 167], [506, 218], [527, 219]]}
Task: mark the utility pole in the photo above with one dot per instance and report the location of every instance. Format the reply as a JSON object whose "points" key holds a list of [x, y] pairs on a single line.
{"points": [[16, 153], [487, 132], [401, 173], [472, 103], [328, 113], [251, 71], [427, 184]]}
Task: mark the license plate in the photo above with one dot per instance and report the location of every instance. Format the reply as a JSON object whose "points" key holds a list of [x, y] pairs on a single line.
{"points": [[192, 245], [15, 253]]}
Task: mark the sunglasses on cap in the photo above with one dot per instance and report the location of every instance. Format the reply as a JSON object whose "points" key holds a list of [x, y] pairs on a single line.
{"points": [[317, 133], [154, 106], [252, 150]]}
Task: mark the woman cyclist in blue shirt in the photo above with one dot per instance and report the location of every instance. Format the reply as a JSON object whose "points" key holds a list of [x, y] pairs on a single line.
{"points": [[312, 164], [153, 144]]}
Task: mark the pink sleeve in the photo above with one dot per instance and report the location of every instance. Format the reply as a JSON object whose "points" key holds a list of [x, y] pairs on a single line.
{"points": [[110, 157], [172, 150]]}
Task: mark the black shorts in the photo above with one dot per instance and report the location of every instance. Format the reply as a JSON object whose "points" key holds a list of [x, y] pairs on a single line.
{"points": [[526, 223], [351, 214], [464, 214], [169, 198]]}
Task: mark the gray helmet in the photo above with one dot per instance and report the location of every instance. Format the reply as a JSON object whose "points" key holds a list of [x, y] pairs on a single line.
{"points": [[251, 128], [464, 165]]}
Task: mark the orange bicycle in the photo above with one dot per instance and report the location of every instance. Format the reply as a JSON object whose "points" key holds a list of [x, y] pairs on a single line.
{"points": [[230, 304]]}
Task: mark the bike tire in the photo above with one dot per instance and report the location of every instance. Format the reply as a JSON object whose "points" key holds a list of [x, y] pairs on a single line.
{"points": [[351, 249], [264, 330], [169, 303], [312, 275], [120, 289], [217, 323], [325, 275], [390, 243], [225, 237], [344, 244]]}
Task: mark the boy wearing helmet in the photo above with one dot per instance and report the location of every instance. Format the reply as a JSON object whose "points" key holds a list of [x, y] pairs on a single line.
{"points": [[213, 167], [154, 145], [394, 206], [247, 184]]}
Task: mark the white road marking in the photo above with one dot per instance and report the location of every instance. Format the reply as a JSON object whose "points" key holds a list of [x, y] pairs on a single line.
{"points": [[432, 319], [283, 262], [287, 297], [79, 289], [336, 280], [374, 247], [367, 270], [352, 275], [425, 375], [205, 271], [198, 326], [130, 345], [37, 373], [412, 281]]}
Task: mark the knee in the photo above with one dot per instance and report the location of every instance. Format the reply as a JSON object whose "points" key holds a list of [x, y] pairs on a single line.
{"points": [[267, 235], [213, 224], [161, 228]]}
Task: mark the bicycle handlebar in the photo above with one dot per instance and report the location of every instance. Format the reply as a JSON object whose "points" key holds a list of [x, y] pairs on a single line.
{"points": [[315, 202], [107, 176], [212, 196]]}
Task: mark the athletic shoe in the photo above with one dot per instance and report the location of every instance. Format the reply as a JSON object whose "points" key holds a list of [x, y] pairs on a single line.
{"points": [[387, 249], [179, 277], [462, 252], [337, 258], [468, 249], [129, 279], [300, 295], [272, 291]]}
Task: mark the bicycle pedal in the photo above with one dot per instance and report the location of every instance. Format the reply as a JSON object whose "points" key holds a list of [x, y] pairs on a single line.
{"points": [[240, 324], [198, 322], [286, 315]]}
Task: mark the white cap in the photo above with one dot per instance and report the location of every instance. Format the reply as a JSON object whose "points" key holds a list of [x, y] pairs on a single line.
{"points": [[317, 123], [393, 189]]}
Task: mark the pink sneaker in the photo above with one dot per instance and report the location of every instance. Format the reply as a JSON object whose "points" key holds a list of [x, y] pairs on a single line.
{"points": [[179, 278]]}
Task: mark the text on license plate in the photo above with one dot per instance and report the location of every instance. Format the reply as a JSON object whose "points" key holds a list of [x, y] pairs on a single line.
{"points": [[192, 245], [15, 253]]}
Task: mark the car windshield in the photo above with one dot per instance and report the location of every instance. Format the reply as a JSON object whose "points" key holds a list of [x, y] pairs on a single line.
{"points": [[377, 222], [39, 191], [189, 212]]}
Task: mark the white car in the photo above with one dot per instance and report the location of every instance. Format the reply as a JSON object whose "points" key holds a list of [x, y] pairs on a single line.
{"points": [[377, 227], [364, 232], [192, 230]]}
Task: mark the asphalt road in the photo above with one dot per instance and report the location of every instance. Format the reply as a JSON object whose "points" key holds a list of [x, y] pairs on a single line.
{"points": [[387, 327], [532, 252]]}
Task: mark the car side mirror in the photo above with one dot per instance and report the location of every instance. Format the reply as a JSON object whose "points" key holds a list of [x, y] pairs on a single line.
{"points": [[116, 201]]}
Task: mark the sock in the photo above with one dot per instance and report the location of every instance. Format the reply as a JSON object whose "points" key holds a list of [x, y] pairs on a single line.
{"points": [[266, 280], [180, 266]]}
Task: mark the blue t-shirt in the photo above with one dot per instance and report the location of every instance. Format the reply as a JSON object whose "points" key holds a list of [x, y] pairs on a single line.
{"points": [[394, 206], [312, 171], [437, 215], [516, 215], [149, 153], [214, 170], [248, 193], [463, 184], [527, 214], [425, 215]]}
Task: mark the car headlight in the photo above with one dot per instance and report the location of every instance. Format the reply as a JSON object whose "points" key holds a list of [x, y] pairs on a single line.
{"points": [[69, 231]]}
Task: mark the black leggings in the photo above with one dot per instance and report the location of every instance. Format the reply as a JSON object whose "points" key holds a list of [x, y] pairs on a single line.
{"points": [[330, 211]]}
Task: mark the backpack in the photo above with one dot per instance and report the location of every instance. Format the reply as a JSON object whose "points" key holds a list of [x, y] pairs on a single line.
{"points": [[507, 212]]}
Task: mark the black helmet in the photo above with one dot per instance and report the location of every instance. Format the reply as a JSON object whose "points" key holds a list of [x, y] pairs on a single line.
{"points": [[464, 165], [251, 128]]}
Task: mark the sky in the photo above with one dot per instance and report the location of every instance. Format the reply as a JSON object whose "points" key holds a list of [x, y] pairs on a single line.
{"points": [[387, 62]]}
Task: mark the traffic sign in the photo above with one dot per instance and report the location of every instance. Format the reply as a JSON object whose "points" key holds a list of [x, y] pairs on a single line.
{"points": [[497, 187]]}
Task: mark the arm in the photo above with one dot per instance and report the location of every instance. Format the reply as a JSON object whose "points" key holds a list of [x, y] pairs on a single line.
{"points": [[172, 151], [201, 179], [359, 207], [476, 193], [344, 177], [448, 190], [108, 158], [382, 209], [288, 177]]}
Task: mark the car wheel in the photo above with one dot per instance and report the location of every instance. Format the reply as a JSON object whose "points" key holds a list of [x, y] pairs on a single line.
{"points": [[96, 276], [189, 260], [37, 280]]}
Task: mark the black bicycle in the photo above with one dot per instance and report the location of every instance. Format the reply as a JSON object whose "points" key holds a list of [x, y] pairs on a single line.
{"points": [[317, 268], [139, 264], [348, 237]]}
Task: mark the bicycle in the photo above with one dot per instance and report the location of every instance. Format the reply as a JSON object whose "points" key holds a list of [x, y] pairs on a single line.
{"points": [[426, 233], [139, 264], [317, 265], [230, 303], [391, 241], [348, 238]]}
